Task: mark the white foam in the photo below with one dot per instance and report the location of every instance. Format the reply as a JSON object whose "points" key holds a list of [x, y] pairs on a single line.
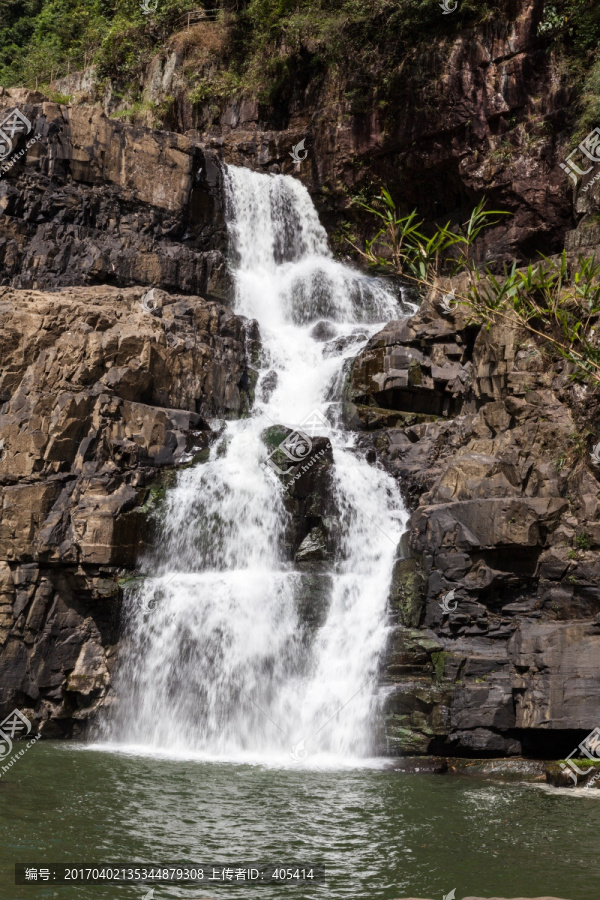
{"points": [[222, 667]]}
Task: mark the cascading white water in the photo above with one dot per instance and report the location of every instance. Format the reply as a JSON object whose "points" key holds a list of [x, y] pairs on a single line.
{"points": [[223, 665]]}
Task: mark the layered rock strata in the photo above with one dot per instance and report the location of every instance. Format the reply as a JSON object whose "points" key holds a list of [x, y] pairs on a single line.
{"points": [[103, 396], [496, 594], [97, 201]]}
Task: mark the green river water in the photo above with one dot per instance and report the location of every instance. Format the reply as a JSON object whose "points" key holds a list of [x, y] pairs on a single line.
{"points": [[379, 834]]}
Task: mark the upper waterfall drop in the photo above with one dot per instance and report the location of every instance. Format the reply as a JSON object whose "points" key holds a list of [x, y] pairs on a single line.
{"points": [[222, 662]]}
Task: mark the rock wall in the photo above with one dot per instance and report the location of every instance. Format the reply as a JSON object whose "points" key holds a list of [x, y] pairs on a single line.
{"points": [[101, 401], [484, 113], [97, 201], [488, 439]]}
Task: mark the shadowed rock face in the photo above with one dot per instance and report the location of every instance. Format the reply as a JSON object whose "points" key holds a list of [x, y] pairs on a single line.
{"points": [[449, 127], [505, 526], [102, 400]]}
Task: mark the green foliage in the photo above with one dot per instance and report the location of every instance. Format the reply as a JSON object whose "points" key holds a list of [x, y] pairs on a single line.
{"points": [[40, 38], [583, 540], [273, 43], [57, 97], [591, 101], [222, 86], [275, 47], [140, 111], [575, 24], [401, 245], [557, 300]]}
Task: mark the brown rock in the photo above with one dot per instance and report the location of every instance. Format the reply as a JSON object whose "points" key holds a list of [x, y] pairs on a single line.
{"points": [[98, 396]]}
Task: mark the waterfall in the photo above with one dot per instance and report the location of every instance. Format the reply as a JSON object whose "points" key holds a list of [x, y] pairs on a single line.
{"points": [[219, 660]]}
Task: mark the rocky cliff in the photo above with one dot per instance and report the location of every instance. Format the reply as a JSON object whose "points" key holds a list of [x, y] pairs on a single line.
{"points": [[102, 399], [103, 396], [487, 437]]}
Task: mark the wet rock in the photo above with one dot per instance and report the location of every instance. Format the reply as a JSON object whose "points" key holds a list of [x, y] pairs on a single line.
{"points": [[323, 331], [339, 346], [268, 385], [407, 595], [574, 773], [521, 769], [419, 766]]}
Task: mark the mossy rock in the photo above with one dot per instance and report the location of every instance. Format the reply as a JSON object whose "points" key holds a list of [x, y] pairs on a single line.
{"points": [[248, 392], [372, 418], [565, 777], [124, 581], [415, 374], [157, 491], [201, 457], [401, 739], [274, 435], [407, 592], [438, 659]]}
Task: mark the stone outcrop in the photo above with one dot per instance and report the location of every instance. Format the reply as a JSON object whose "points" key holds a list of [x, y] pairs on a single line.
{"points": [[484, 437], [104, 392], [97, 201]]}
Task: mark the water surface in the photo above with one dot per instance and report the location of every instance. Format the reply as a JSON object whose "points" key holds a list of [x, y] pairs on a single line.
{"points": [[379, 834]]}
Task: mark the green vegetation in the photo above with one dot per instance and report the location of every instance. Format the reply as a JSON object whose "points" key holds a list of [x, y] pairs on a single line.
{"points": [[40, 39], [557, 300], [401, 244], [583, 541], [271, 48]]}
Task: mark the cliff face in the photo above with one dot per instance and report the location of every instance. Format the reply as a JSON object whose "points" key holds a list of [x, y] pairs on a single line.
{"points": [[98, 202], [484, 112], [486, 439], [102, 398]]}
